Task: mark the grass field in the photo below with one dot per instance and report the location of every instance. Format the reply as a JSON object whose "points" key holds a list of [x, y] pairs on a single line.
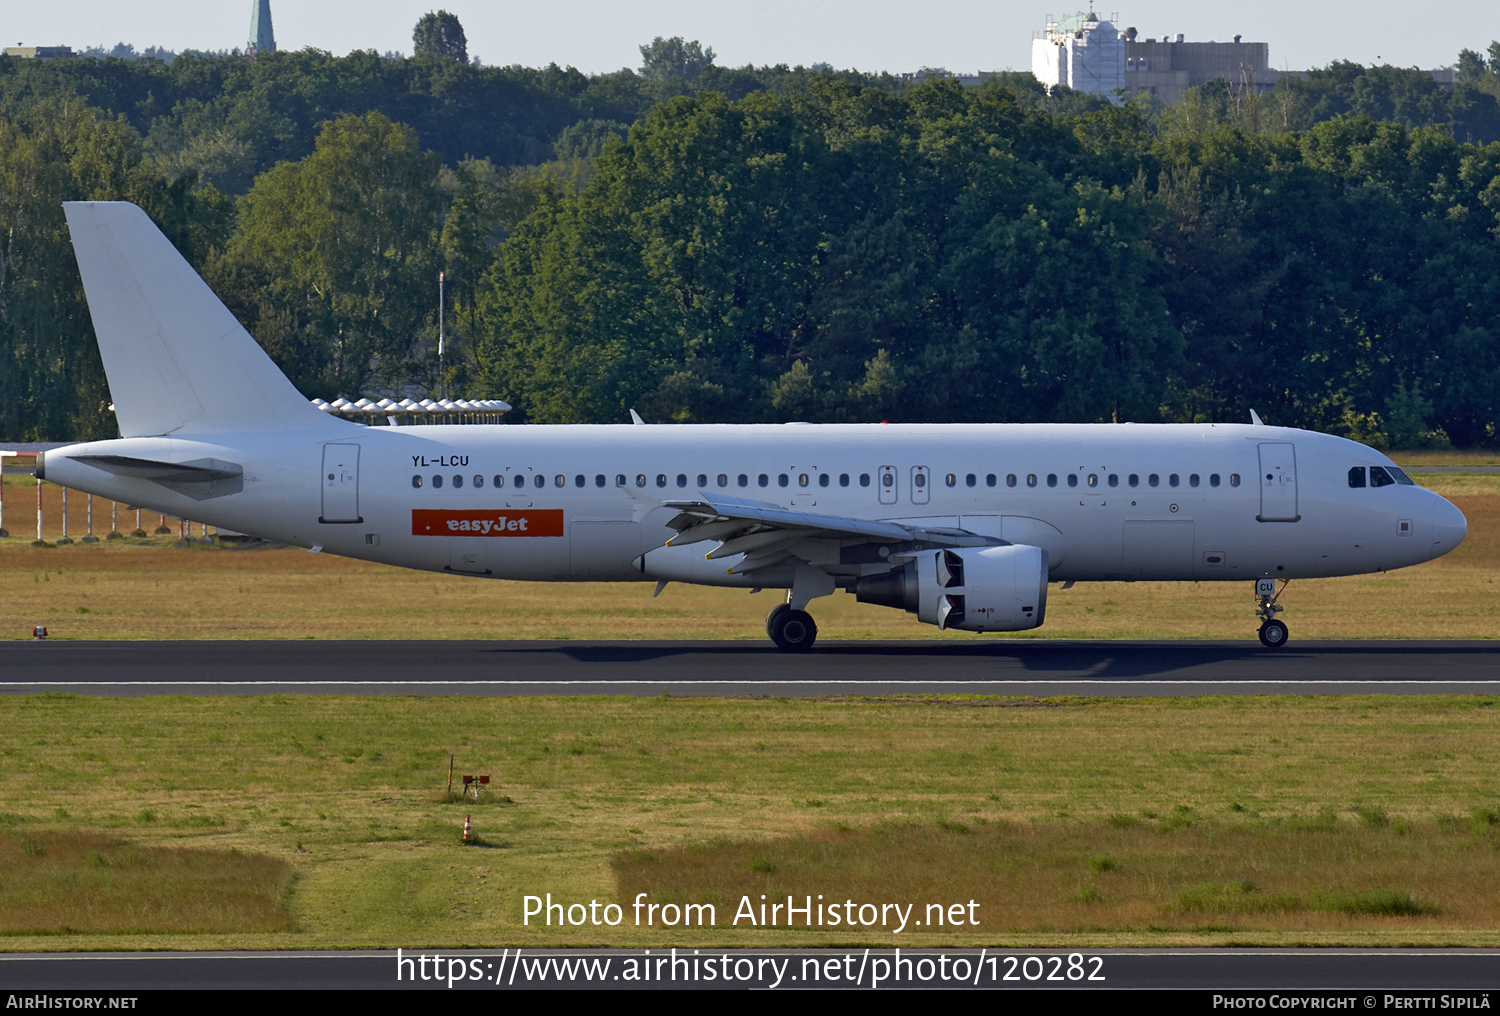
{"points": [[1367, 820], [146, 589]]}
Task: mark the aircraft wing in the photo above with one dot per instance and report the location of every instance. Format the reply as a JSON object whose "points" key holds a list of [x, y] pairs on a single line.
{"points": [[766, 532]]}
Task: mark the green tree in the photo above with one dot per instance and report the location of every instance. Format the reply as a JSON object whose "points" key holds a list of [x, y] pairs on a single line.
{"points": [[1470, 66], [673, 58], [338, 255], [439, 34]]}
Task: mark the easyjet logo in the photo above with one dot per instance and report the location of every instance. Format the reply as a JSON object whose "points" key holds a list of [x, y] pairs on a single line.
{"points": [[440, 522]]}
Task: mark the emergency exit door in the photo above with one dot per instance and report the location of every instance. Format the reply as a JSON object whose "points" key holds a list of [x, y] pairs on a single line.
{"points": [[340, 482], [1278, 483]]}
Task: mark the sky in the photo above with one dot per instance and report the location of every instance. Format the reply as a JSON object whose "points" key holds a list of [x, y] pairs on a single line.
{"points": [[871, 35]]}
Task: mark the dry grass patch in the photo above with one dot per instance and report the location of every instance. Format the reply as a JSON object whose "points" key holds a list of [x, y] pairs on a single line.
{"points": [[141, 589], [54, 882], [1176, 872]]}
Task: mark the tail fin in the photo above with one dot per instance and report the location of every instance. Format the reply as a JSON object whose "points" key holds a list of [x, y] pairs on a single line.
{"points": [[176, 359]]}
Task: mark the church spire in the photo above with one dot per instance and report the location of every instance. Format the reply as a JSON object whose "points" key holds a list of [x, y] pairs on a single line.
{"points": [[262, 40]]}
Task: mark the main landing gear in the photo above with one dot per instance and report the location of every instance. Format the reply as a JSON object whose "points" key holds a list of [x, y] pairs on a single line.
{"points": [[1273, 633], [792, 630]]}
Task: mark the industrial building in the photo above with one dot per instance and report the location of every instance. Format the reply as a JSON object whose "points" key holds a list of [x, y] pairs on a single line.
{"points": [[39, 52], [1090, 54]]}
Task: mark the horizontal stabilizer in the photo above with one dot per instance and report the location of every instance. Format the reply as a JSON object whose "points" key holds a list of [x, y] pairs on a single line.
{"points": [[197, 471]]}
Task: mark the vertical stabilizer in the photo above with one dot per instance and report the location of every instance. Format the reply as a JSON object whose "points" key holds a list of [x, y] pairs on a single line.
{"points": [[177, 360]]}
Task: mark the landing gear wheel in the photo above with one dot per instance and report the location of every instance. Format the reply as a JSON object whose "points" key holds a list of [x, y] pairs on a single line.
{"points": [[1273, 634], [793, 631], [776, 611]]}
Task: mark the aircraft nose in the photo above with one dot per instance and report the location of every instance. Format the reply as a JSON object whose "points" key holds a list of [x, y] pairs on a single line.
{"points": [[1449, 527]]}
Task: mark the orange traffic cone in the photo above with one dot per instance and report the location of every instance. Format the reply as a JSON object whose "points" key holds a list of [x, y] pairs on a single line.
{"points": [[467, 837]]}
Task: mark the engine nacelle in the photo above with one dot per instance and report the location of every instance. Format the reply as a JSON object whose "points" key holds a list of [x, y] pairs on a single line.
{"points": [[974, 589]]}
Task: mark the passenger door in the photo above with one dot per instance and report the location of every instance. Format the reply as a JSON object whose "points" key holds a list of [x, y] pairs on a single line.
{"points": [[1278, 483], [340, 483]]}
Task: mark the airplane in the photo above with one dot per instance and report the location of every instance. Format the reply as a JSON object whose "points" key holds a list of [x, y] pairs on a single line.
{"points": [[964, 525]]}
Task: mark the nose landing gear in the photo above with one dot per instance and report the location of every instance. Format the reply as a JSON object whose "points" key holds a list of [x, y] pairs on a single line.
{"points": [[1273, 633]]}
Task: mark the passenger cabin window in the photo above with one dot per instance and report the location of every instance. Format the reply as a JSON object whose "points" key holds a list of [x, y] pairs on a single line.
{"points": [[864, 479], [619, 479], [1380, 478], [702, 479], [951, 480], [1234, 479], [723, 479], [1072, 479], [437, 481], [1010, 479], [1193, 480], [1173, 480], [1114, 479], [661, 479], [843, 479], [803, 479], [416, 481], [970, 480], [781, 480], [478, 480], [823, 479], [1135, 480], [1213, 479], [990, 480], [1031, 479], [1052, 479], [1093, 479], [458, 481], [599, 480], [681, 480], [744, 481], [500, 480], [580, 480], [640, 479], [763, 480], [1153, 480]]}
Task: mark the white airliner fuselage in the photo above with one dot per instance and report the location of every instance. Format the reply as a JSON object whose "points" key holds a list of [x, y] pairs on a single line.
{"points": [[964, 524]]}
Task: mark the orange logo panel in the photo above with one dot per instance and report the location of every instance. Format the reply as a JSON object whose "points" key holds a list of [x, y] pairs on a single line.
{"points": [[494, 522]]}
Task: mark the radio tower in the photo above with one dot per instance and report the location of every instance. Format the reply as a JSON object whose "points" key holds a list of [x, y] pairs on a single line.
{"points": [[262, 40]]}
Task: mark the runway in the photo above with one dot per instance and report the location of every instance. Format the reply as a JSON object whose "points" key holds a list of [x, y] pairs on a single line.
{"points": [[1020, 667]]}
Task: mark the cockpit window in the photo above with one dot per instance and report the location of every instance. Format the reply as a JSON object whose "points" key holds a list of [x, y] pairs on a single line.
{"points": [[1379, 477], [1357, 476], [1400, 476]]}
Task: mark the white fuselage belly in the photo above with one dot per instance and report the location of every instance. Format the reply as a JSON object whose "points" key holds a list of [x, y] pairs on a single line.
{"points": [[1103, 532]]}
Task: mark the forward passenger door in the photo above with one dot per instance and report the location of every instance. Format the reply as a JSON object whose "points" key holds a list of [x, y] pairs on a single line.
{"points": [[1278, 483]]}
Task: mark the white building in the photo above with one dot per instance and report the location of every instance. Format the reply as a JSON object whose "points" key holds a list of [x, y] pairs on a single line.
{"points": [[1082, 52]]}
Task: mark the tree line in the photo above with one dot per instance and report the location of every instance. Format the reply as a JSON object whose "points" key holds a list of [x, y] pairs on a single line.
{"points": [[767, 244]]}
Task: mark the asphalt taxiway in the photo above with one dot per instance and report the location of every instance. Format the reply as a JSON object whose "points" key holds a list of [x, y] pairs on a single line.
{"points": [[1029, 667]]}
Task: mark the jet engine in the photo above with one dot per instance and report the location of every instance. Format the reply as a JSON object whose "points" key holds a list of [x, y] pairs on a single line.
{"points": [[974, 589]]}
